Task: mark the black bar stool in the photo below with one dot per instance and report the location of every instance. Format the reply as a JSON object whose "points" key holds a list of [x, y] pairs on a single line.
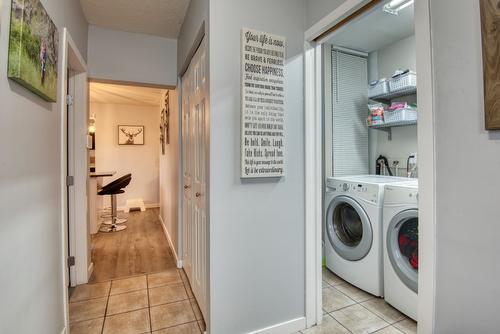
{"points": [[114, 188]]}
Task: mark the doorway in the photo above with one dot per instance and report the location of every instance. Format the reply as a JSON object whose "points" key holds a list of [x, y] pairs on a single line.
{"points": [[137, 283], [126, 226], [315, 50], [73, 108]]}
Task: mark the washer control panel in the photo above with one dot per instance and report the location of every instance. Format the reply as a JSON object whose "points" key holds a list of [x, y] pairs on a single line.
{"points": [[368, 192]]}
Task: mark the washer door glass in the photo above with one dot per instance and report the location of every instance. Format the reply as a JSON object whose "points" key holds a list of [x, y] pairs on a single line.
{"points": [[402, 247], [348, 228]]}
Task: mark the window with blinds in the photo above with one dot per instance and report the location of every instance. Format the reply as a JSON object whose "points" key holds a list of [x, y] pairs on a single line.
{"points": [[349, 111]]}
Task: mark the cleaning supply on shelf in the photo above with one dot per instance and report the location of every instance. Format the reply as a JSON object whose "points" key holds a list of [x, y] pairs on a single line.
{"points": [[398, 105], [403, 81], [378, 87], [376, 115], [402, 105], [399, 72]]}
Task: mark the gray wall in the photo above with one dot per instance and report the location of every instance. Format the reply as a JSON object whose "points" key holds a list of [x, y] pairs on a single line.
{"points": [[125, 56], [30, 197], [467, 162], [317, 9], [399, 55], [256, 228], [69, 14], [196, 15]]}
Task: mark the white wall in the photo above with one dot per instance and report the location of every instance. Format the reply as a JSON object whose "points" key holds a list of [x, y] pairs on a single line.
{"points": [[125, 56], [140, 160], [467, 162], [170, 172], [30, 197], [399, 55], [256, 228]]}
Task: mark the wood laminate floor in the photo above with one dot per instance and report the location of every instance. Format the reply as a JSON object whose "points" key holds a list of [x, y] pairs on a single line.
{"points": [[141, 248]]}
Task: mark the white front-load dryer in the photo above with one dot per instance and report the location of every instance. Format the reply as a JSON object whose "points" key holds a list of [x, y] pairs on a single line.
{"points": [[401, 247], [353, 229]]}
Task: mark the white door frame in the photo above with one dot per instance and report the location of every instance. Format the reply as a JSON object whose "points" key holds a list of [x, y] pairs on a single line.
{"points": [[313, 163], [78, 232]]}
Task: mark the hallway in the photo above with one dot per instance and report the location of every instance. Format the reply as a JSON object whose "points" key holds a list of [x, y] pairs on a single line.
{"points": [[141, 248], [135, 287], [161, 302]]}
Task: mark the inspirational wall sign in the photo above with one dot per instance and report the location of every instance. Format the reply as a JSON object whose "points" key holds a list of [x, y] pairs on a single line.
{"points": [[262, 104]]}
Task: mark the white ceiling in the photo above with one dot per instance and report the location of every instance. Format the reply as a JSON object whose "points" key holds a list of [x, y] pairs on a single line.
{"points": [[375, 30], [155, 17], [121, 94]]}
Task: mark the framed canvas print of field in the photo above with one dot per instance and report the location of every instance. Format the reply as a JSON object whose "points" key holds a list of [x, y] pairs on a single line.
{"points": [[130, 135], [33, 48]]}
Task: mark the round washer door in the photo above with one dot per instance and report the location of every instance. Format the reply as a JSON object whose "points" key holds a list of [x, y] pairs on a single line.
{"points": [[402, 247], [348, 228]]}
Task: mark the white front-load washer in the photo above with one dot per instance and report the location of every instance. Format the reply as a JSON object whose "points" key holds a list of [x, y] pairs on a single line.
{"points": [[401, 247], [353, 228]]}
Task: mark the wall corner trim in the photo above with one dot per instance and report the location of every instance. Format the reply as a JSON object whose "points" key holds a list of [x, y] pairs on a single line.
{"points": [[290, 326], [167, 235]]}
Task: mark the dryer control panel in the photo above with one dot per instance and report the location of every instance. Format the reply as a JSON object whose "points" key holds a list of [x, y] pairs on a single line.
{"points": [[401, 195], [367, 192]]}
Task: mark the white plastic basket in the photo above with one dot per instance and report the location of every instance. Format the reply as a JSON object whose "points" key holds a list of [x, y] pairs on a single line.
{"points": [[403, 82], [380, 88], [400, 115]]}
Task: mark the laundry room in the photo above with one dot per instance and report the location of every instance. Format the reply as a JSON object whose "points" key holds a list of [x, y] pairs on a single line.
{"points": [[370, 171]]}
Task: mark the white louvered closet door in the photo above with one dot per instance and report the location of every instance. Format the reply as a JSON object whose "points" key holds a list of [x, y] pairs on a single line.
{"points": [[349, 97]]}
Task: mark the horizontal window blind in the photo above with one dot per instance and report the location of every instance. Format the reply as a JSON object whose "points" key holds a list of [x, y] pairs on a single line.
{"points": [[349, 96]]}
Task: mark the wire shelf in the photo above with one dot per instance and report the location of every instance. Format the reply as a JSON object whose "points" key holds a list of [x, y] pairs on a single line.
{"points": [[393, 95], [387, 127]]}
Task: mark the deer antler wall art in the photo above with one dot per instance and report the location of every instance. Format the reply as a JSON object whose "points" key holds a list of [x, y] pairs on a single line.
{"points": [[130, 135]]}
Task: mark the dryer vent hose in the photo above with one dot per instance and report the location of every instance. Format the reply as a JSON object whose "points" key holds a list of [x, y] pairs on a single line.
{"points": [[381, 160]]}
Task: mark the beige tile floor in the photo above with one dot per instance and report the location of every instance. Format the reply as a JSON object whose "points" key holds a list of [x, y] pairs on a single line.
{"points": [[349, 310], [160, 303]]}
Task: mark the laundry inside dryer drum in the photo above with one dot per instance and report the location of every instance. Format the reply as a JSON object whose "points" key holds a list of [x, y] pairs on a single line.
{"points": [[408, 241], [348, 225]]}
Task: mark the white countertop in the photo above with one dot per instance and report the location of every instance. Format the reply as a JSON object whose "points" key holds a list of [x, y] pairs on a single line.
{"points": [[101, 174]]}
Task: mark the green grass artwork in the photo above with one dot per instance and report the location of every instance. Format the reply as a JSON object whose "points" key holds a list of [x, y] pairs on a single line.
{"points": [[33, 48]]}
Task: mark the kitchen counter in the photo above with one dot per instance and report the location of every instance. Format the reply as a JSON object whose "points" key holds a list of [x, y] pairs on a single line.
{"points": [[95, 202], [101, 174]]}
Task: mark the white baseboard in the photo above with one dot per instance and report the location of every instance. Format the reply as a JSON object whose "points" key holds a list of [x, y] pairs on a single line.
{"points": [[167, 235], [287, 327], [146, 205], [90, 270]]}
